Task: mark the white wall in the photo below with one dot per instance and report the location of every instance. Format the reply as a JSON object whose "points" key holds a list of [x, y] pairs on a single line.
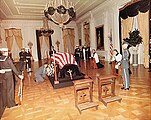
{"points": [[106, 14], [28, 29]]}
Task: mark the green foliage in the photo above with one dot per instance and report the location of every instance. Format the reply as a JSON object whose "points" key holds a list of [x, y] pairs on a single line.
{"points": [[134, 38]]}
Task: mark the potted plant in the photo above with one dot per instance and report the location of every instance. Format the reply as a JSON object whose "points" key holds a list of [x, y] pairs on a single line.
{"points": [[134, 40]]}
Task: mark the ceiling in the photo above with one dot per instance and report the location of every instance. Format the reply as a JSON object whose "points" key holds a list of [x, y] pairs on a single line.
{"points": [[33, 9]]}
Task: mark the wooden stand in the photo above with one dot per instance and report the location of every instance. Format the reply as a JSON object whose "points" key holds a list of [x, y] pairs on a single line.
{"points": [[80, 86], [119, 75], [103, 82]]}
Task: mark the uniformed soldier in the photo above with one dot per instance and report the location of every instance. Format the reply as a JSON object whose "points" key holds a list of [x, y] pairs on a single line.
{"points": [[22, 59], [125, 66], [28, 60], [7, 69], [77, 54]]}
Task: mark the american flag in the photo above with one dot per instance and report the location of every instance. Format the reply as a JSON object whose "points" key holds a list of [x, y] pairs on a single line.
{"points": [[111, 44], [63, 58]]}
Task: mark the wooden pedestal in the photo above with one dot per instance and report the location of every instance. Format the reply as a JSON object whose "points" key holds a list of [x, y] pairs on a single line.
{"points": [[109, 94], [82, 86]]}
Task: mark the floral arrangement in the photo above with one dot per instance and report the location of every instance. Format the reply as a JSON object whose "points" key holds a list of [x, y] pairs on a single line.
{"points": [[134, 38]]}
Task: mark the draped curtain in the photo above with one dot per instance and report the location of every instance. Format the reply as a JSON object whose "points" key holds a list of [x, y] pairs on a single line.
{"points": [[126, 26], [14, 35], [68, 40], [141, 10], [47, 42], [9, 38], [44, 46], [143, 21], [40, 41], [18, 37], [9, 33]]}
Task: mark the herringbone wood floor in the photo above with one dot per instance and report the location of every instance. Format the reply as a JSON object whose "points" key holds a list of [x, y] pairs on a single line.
{"points": [[42, 102]]}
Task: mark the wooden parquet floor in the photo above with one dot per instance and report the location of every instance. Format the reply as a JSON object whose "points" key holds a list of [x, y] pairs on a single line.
{"points": [[42, 102]]}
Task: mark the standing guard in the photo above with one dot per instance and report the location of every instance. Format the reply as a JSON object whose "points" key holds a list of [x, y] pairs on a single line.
{"points": [[125, 66], [22, 59], [77, 53], [7, 68], [28, 60]]}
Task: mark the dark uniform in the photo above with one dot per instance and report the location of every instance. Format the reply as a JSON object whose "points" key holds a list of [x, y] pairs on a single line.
{"points": [[2, 95], [28, 60], [22, 59], [7, 65], [77, 55], [51, 52]]}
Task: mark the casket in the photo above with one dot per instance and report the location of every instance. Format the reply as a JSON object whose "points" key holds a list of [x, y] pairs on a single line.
{"points": [[67, 70]]}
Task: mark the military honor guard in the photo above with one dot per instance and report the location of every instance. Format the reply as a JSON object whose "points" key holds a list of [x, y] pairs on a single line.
{"points": [[125, 66], [7, 69]]}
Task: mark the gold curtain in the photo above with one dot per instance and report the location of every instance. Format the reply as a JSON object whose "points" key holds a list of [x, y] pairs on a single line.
{"points": [[68, 40], [18, 37], [143, 21], [64, 41], [126, 26], [9, 38], [47, 41], [40, 41]]}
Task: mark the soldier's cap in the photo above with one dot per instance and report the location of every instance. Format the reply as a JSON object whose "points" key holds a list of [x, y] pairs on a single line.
{"points": [[4, 49]]}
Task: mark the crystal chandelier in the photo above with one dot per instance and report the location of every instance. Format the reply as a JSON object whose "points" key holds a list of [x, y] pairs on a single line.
{"points": [[46, 31], [61, 12]]}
